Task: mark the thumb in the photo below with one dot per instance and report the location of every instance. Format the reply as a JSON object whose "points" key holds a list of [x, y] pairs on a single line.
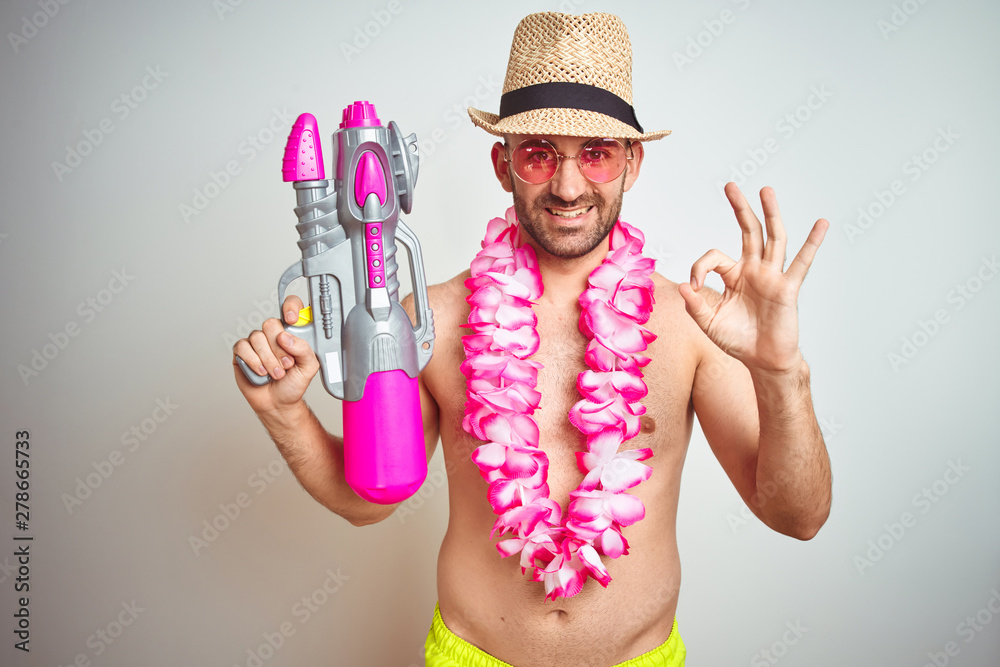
{"points": [[696, 306]]}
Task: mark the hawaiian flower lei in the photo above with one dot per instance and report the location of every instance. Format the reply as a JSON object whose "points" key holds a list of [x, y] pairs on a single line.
{"points": [[502, 397]]}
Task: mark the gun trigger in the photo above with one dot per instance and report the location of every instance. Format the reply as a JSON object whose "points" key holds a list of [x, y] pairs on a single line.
{"points": [[305, 316]]}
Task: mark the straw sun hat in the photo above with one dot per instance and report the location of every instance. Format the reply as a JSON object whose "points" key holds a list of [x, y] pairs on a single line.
{"points": [[568, 75]]}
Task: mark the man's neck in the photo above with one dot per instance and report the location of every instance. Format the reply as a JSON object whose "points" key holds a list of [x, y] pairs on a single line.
{"points": [[564, 280]]}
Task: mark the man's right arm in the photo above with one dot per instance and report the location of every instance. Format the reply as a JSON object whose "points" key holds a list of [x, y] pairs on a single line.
{"points": [[315, 457]]}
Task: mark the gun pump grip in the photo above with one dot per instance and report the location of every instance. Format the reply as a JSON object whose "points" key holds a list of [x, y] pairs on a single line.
{"points": [[385, 458]]}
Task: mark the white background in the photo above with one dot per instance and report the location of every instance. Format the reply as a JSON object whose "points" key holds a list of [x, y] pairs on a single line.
{"points": [[894, 425]]}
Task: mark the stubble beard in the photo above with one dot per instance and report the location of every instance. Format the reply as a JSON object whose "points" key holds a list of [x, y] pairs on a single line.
{"points": [[567, 243]]}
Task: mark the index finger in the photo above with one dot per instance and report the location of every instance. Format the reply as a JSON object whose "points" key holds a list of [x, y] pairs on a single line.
{"points": [[290, 309]]}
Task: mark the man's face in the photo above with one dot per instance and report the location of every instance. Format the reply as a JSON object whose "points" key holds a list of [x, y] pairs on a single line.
{"points": [[568, 216]]}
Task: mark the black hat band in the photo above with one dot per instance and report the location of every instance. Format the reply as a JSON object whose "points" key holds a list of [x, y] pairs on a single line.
{"points": [[568, 95]]}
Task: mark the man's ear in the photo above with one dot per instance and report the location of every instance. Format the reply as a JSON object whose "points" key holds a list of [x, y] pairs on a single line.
{"points": [[501, 167], [633, 165]]}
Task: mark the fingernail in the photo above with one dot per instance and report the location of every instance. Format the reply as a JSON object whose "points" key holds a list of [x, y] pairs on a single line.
{"points": [[291, 316], [286, 362], [261, 370], [278, 372]]}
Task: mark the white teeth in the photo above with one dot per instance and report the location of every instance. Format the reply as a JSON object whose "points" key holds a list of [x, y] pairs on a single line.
{"points": [[569, 214]]}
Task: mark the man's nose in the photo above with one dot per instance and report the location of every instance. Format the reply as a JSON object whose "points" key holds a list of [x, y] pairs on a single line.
{"points": [[568, 183]]}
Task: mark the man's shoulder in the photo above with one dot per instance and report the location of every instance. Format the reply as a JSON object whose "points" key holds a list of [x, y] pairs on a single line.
{"points": [[447, 301], [667, 296], [452, 288], [670, 319], [667, 292], [449, 295]]}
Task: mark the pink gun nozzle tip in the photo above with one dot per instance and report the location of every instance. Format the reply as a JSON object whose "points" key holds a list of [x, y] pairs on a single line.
{"points": [[360, 114], [303, 155]]}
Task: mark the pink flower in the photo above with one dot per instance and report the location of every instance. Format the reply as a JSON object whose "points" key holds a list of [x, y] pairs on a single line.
{"points": [[601, 386], [484, 401], [498, 251], [489, 338], [592, 418], [600, 514], [600, 508], [512, 462], [492, 306], [525, 519], [539, 545], [566, 572], [600, 358], [615, 471], [520, 283], [515, 397], [501, 367], [506, 493], [625, 235], [516, 429], [615, 331]]}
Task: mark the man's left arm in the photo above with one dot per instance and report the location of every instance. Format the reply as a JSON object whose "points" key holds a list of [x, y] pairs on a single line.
{"points": [[751, 388]]}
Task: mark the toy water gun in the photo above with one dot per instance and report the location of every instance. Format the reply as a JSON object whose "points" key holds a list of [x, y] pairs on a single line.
{"points": [[369, 351]]}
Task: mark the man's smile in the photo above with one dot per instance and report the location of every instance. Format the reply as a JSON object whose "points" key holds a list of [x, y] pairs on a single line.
{"points": [[569, 213]]}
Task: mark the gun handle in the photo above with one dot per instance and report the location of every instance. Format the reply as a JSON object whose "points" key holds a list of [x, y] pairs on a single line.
{"points": [[256, 380], [424, 331], [385, 458], [311, 333]]}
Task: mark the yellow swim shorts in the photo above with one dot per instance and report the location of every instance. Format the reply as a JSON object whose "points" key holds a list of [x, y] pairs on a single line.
{"points": [[444, 648]]}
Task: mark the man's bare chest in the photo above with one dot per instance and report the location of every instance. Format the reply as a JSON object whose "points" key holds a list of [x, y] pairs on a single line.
{"points": [[665, 422]]}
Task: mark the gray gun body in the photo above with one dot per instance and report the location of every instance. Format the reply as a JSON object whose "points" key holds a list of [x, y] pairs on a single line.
{"points": [[358, 326]]}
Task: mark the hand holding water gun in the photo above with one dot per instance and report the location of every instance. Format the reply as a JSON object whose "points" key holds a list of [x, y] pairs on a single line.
{"points": [[369, 351]]}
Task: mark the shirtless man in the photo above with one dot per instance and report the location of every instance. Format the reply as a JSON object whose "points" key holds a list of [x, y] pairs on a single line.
{"points": [[732, 359]]}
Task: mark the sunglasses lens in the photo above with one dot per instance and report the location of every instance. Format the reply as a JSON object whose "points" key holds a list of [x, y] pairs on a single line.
{"points": [[535, 161], [602, 160]]}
